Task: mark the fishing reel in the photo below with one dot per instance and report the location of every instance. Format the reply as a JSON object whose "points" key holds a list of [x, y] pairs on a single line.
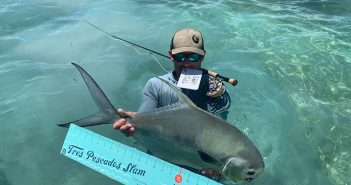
{"points": [[215, 87]]}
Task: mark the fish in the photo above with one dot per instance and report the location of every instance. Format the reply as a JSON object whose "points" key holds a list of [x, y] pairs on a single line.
{"points": [[184, 134]]}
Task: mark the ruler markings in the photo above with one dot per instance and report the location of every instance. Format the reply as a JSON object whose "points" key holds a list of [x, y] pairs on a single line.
{"points": [[126, 165]]}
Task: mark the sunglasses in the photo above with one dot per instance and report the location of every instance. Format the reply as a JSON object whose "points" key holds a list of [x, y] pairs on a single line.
{"points": [[194, 57]]}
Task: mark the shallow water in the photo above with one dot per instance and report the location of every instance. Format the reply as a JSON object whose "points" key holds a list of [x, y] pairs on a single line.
{"points": [[292, 60]]}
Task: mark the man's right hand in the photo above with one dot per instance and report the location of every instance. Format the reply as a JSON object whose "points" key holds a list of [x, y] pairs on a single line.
{"points": [[212, 174], [126, 127]]}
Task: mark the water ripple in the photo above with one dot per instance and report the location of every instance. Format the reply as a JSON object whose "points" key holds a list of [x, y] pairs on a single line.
{"points": [[285, 53]]}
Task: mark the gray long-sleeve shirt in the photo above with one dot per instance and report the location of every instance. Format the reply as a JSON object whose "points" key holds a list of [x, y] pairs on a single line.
{"points": [[158, 94]]}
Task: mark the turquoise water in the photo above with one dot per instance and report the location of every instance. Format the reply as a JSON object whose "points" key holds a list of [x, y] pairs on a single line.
{"points": [[292, 60]]}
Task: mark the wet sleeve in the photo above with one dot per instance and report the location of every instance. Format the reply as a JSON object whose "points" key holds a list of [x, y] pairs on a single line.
{"points": [[219, 106], [150, 98]]}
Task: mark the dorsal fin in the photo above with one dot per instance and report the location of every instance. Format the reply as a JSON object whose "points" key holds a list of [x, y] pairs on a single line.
{"points": [[182, 97]]}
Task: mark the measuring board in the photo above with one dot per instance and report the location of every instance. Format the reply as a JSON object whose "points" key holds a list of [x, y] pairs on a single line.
{"points": [[125, 164]]}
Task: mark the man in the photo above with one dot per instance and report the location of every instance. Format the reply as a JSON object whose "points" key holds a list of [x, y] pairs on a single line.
{"points": [[186, 52]]}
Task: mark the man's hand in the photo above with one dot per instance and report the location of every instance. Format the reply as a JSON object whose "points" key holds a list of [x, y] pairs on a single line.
{"points": [[127, 128], [212, 174]]}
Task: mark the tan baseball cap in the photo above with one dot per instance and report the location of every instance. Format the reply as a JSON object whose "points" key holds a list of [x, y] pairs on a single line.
{"points": [[187, 40]]}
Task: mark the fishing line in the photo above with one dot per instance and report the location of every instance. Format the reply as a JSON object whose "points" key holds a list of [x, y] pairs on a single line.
{"points": [[232, 81], [131, 45], [143, 54]]}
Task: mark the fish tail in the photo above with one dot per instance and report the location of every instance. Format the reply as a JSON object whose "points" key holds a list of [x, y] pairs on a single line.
{"points": [[107, 111]]}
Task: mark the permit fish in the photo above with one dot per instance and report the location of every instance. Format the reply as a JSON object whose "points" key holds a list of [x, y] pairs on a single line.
{"points": [[185, 135]]}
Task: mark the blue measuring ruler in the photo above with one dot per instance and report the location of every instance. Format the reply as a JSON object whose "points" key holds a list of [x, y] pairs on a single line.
{"points": [[125, 164]]}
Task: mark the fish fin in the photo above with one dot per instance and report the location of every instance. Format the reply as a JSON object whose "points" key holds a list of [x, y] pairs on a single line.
{"points": [[182, 97], [107, 110], [207, 158], [95, 119], [98, 95]]}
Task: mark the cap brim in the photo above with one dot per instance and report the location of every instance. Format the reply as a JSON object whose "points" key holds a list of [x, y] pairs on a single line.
{"points": [[188, 49]]}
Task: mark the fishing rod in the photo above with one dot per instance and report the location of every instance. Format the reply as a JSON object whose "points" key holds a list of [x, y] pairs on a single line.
{"points": [[232, 81]]}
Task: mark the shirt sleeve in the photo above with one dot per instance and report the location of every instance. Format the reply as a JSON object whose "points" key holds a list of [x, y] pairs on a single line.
{"points": [[150, 98], [220, 105]]}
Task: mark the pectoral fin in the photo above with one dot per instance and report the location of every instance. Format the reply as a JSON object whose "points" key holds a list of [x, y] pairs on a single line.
{"points": [[207, 158]]}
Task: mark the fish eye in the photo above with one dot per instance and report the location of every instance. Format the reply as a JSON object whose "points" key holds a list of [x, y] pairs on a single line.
{"points": [[251, 172]]}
